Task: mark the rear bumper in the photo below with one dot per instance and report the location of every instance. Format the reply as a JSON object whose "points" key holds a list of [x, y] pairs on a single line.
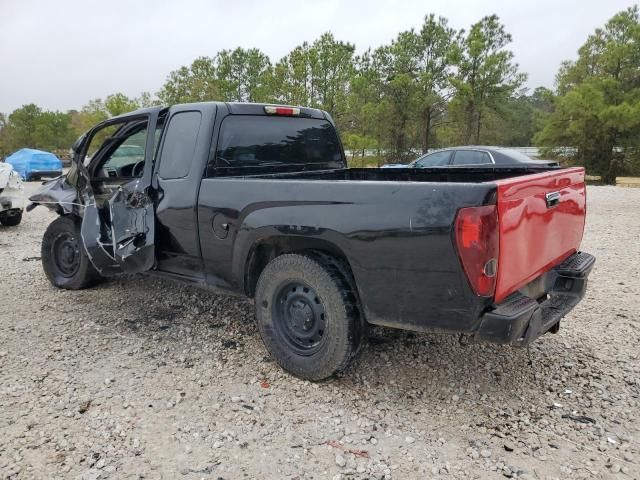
{"points": [[520, 319]]}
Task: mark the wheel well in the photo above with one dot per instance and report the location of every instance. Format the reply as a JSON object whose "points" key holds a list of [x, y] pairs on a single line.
{"points": [[267, 250], [74, 217]]}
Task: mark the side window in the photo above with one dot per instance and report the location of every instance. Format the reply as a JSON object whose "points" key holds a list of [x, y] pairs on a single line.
{"points": [[471, 157], [125, 157], [99, 138], [118, 150], [179, 145], [435, 159]]}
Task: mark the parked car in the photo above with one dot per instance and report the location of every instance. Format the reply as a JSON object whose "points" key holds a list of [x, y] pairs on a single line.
{"points": [[34, 164], [494, 157], [257, 200], [12, 200]]}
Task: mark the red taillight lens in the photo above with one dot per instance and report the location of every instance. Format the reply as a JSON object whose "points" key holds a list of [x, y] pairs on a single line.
{"points": [[477, 241]]}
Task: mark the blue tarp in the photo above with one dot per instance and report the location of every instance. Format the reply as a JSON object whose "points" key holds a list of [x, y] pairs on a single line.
{"points": [[28, 161]]}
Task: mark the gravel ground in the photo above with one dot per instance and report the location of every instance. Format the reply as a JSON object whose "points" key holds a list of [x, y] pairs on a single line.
{"points": [[142, 378]]}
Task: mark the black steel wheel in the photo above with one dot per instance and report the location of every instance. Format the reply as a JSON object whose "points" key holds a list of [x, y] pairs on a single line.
{"points": [[300, 317], [308, 315], [64, 259], [66, 254]]}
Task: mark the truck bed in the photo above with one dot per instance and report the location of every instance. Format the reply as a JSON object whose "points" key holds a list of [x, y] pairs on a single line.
{"points": [[439, 175], [398, 238]]}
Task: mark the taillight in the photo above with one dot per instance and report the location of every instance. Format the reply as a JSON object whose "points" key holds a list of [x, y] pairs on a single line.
{"points": [[274, 110], [477, 241]]}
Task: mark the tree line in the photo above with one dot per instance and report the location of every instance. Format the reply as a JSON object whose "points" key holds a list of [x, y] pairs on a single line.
{"points": [[429, 87]]}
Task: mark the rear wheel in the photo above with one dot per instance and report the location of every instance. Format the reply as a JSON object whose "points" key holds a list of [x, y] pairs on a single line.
{"points": [[64, 259], [11, 218], [307, 316]]}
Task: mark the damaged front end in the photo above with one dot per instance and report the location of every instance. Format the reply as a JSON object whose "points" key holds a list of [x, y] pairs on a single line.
{"points": [[116, 235], [71, 194], [11, 195], [58, 195], [116, 213], [61, 194]]}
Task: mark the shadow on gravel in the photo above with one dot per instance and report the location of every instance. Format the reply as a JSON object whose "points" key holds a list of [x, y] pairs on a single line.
{"points": [[414, 359], [144, 306]]}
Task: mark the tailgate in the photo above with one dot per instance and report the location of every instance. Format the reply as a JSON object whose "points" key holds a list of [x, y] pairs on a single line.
{"points": [[541, 220]]}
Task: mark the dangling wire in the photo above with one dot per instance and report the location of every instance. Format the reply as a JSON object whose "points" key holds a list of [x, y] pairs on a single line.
{"points": [[65, 203]]}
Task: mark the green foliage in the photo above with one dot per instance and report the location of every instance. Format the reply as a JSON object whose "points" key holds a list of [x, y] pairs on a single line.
{"points": [[196, 83], [316, 75], [356, 144], [399, 92], [597, 109], [3, 135], [54, 131], [242, 75], [232, 75], [435, 56], [487, 77], [118, 103], [21, 127], [30, 126]]}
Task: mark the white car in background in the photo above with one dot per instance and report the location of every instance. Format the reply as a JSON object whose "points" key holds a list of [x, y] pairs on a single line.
{"points": [[12, 201]]}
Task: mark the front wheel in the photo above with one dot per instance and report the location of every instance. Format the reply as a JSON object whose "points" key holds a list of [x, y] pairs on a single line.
{"points": [[307, 315], [64, 259], [11, 218]]}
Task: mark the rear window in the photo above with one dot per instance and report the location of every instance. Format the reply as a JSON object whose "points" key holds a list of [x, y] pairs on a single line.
{"points": [[264, 144]]}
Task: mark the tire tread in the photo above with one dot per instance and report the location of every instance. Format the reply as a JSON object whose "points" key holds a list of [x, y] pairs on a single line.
{"points": [[327, 273], [86, 276]]}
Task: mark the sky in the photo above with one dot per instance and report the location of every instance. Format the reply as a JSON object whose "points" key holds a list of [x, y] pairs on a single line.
{"points": [[60, 54]]}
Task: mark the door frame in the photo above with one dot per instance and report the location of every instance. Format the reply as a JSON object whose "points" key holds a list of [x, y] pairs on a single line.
{"points": [[118, 236]]}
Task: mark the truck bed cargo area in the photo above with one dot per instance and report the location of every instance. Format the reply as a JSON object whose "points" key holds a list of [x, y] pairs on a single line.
{"points": [[439, 175]]}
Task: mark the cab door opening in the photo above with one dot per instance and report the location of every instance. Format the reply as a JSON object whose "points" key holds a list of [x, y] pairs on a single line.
{"points": [[113, 180]]}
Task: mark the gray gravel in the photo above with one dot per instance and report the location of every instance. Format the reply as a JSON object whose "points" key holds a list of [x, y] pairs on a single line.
{"points": [[142, 378]]}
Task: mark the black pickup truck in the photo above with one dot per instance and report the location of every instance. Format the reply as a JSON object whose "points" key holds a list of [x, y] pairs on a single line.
{"points": [[257, 200]]}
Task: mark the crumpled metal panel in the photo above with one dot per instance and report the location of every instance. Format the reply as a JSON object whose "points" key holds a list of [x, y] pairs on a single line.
{"points": [[11, 188], [58, 195], [131, 225]]}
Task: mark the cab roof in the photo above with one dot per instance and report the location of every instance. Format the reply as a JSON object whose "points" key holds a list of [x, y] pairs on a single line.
{"points": [[235, 108]]}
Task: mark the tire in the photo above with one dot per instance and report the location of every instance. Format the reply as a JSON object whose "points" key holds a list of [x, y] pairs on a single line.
{"points": [[64, 259], [307, 315], [11, 218]]}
